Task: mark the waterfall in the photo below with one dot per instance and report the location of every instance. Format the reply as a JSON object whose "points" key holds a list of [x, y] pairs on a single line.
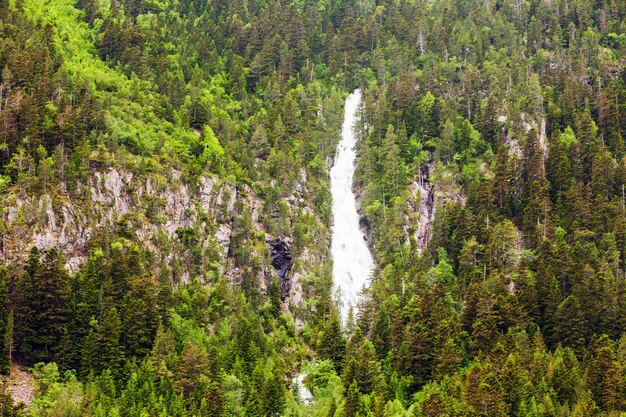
{"points": [[352, 260]]}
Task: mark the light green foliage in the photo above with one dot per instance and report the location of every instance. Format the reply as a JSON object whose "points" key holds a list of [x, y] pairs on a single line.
{"points": [[56, 396], [213, 151], [567, 137]]}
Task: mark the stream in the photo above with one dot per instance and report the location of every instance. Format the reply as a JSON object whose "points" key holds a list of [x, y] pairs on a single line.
{"points": [[352, 260]]}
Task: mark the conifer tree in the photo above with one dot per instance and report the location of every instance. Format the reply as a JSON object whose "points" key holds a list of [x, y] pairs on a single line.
{"points": [[213, 401], [140, 319], [331, 344], [5, 336], [352, 404], [448, 360], [566, 374], [49, 301], [483, 392], [24, 309], [368, 371], [570, 323], [110, 351], [274, 395]]}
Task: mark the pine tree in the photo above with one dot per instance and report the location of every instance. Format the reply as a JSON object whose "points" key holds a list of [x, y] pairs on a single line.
{"points": [[419, 352], [604, 375], [566, 374], [570, 324], [352, 404], [381, 332], [5, 337], [471, 262], [368, 371], [110, 351], [51, 306], [448, 360], [140, 316], [274, 298], [213, 401], [614, 392], [537, 213], [90, 359], [24, 316], [274, 395], [559, 168], [394, 178], [91, 284], [586, 131], [503, 246], [331, 344], [514, 380], [483, 392], [192, 364], [487, 325], [116, 284]]}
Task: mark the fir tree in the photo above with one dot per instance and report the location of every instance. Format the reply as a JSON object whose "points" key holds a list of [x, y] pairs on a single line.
{"points": [[5, 330], [51, 306]]}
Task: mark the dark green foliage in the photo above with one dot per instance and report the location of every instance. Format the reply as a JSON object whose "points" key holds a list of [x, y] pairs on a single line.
{"points": [[6, 338], [42, 312], [273, 396], [109, 353], [24, 311], [51, 296], [331, 344]]}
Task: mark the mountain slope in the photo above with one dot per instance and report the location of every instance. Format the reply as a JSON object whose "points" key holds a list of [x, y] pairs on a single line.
{"points": [[160, 154]]}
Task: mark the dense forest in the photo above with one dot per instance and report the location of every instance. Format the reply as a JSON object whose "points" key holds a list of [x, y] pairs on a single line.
{"points": [[154, 154]]}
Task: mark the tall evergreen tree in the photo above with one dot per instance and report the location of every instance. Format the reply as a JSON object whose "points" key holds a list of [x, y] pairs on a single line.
{"points": [[50, 305], [5, 325], [25, 330]]}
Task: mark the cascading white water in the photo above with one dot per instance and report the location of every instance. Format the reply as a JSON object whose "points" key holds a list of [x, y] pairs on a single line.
{"points": [[352, 260], [303, 392]]}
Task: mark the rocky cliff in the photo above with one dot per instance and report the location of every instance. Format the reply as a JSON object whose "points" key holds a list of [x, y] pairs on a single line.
{"points": [[187, 227]]}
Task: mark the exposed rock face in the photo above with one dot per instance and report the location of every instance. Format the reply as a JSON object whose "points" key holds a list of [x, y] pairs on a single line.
{"points": [[153, 209], [527, 124], [426, 208], [282, 260], [21, 385], [427, 198], [156, 210], [281, 257]]}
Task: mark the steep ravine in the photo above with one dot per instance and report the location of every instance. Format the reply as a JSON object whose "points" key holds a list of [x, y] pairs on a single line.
{"points": [[352, 260]]}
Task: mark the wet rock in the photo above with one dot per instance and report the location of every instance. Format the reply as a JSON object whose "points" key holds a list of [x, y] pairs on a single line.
{"points": [[281, 257], [364, 223], [282, 260]]}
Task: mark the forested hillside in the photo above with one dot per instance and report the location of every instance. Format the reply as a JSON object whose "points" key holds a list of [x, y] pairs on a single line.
{"points": [[166, 211]]}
